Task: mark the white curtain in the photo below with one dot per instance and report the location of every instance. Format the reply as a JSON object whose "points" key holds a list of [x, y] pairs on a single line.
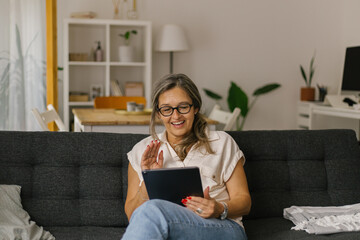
{"points": [[23, 67]]}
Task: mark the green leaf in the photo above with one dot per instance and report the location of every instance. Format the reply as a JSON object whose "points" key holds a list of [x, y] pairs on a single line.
{"points": [[312, 70], [312, 63], [311, 73], [212, 94], [303, 73], [237, 98], [265, 89], [311, 76], [127, 35]]}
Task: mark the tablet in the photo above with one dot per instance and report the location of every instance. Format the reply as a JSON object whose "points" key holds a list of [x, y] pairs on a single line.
{"points": [[173, 184]]}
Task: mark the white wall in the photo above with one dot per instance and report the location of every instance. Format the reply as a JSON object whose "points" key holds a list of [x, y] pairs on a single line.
{"points": [[250, 42], [351, 30]]}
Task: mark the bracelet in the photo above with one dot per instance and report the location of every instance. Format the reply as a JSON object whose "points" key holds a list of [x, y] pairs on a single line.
{"points": [[224, 214]]}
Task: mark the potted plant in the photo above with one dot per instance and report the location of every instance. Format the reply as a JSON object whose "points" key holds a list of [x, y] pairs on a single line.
{"points": [[126, 52], [308, 93], [238, 98]]}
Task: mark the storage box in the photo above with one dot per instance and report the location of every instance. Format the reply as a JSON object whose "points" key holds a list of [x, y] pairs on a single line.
{"points": [[83, 15], [78, 57], [78, 97], [134, 89]]}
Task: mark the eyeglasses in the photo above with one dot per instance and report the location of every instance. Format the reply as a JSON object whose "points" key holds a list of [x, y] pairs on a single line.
{"points": [[168, 111]]}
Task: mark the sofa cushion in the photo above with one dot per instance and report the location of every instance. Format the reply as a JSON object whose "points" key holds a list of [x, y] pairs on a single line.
{"points": [[14, 220]]}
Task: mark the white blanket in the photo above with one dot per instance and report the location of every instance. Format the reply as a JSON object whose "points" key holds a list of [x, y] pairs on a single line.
{"points": [[15, 222], [325, 220]]}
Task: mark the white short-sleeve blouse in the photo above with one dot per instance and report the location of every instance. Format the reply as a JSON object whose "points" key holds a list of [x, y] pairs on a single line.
{"points": [[215, 169]]}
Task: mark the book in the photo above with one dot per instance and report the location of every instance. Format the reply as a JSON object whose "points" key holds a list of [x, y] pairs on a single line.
{"points": [[115, 88]]}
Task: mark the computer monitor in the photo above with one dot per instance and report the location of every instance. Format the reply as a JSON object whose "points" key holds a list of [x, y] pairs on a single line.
{"points": [[351, 75]]}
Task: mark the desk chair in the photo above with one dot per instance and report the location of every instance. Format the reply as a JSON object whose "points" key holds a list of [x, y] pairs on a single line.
{"points": [[48, 116], [224, 117], [117, 102]]}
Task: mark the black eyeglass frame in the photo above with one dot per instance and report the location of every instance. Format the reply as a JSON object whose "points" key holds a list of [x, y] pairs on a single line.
{"points": [[173, 108]]}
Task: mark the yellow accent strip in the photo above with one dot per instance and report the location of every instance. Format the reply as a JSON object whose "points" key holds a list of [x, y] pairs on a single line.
{"points": [[51, 58]]}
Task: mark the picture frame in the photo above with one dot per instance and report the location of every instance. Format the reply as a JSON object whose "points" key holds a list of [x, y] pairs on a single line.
{"points": [[96, 90]]}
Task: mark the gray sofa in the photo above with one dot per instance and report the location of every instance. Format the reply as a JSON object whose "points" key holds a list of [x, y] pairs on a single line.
{"points": [[74, 184]]}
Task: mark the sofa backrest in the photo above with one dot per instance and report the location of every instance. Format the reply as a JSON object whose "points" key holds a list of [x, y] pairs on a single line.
{"points": [[80, 179], [297, 167], [69, 179]]}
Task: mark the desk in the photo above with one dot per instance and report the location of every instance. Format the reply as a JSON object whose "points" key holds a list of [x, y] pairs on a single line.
{"points": [[336, 112], [312, 115], [107, 120]]}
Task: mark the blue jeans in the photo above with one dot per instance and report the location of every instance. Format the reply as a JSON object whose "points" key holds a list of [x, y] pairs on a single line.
{"points": [[159, 219]]}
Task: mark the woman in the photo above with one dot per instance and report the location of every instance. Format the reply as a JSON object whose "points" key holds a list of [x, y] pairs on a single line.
{"points": [[187, 141]]}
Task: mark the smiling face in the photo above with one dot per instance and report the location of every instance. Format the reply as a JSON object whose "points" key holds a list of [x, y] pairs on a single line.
{"points": [[177, 125]]}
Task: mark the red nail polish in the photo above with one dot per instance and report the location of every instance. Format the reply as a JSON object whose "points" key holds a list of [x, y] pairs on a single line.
{"points": [[188, 198]]}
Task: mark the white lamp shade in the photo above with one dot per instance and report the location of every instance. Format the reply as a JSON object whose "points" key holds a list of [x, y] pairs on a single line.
{"points": [[171, 39]]}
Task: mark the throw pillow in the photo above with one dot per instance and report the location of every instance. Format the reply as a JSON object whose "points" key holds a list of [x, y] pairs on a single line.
{"points": [[15, 222]]}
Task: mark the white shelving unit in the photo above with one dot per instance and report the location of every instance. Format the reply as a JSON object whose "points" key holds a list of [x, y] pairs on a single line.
{"points": [[304, 116], [80, 36], [317, 115]]}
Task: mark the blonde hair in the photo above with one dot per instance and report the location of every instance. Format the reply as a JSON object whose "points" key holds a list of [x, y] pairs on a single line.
{"points": [[197, 136]]}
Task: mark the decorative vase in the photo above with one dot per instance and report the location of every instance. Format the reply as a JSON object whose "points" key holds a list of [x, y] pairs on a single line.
{"points": [[126, 53], [307, 94]]}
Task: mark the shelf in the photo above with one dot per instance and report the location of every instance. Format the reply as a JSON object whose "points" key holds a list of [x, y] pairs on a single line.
{"points": [[121, 64], [96, 21], [79, 63], [89, 103], [94, 78], [128, 64]]}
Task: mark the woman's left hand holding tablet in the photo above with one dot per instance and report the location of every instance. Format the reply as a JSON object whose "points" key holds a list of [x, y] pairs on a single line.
{"points": [[151, 158], [205, 207]]}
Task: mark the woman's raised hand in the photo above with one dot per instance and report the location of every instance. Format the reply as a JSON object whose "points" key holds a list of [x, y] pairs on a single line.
{"points": [[151, 158]]}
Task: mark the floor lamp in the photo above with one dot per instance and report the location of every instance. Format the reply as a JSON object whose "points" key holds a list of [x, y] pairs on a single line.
{"points": [[171, 39]]}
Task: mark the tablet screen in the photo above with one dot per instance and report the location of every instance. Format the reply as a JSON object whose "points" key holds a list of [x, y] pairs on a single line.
{"points": [[173, 184]]}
